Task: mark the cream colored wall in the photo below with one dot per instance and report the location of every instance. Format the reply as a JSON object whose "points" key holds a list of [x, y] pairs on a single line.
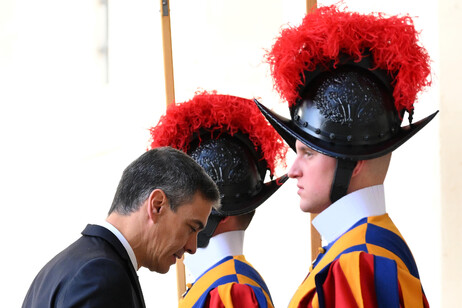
{"points": [[450, 24], [66, 135]]}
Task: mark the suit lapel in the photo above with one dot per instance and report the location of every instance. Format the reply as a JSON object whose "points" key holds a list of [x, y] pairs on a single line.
{"points": [[98, 231]]}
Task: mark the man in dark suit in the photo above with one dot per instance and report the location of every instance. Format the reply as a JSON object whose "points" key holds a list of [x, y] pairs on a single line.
{"points": [[163, 200]]}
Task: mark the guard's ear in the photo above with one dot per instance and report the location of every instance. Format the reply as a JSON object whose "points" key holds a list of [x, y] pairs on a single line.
{"points": [[224, 219], [359, 166], [157, 203]]}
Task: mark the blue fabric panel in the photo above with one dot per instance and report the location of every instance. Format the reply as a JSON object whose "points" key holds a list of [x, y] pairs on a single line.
{"points": [[261, 298], [246, 270], [361, 247], [319, 281], [386, 282], [358, 223], [387, 239], [215, 265], [356, 248], [223, 280]]}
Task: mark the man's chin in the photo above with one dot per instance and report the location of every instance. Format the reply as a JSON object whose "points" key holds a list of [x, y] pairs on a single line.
{"points": [[313, 209], [308, 208], [305, 208], [161, 270], [158, 268]]}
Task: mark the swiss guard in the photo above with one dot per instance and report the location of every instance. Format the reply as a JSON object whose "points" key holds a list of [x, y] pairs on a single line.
{"points": [[232, 141], [349, 80]]}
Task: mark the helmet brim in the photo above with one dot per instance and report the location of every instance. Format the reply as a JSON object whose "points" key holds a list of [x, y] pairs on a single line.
{"points": [[247, 205], [291, 132]]}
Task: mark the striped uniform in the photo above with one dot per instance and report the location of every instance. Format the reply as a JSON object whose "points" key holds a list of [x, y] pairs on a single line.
{"points": [[232, 282], [368, 266]]}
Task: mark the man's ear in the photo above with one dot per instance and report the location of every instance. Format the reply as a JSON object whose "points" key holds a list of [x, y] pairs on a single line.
{"points": [[157, 202], [224, 219], [359, 166]]}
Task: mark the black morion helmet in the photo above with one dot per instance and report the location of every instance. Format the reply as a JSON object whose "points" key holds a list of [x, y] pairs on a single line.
{"points": [[348, 86]]}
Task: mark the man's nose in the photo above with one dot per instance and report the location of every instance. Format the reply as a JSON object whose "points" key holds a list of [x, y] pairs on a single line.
{"points": [[191, 244], [294, 171]]}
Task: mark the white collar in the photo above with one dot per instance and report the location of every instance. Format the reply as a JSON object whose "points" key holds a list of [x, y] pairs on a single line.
{"points": [[220, 246], [124, 242], [345, 212]]}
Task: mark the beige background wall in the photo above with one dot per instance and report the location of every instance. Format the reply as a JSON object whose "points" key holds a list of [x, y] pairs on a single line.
{"points": [[451, 150], [67, 134]]}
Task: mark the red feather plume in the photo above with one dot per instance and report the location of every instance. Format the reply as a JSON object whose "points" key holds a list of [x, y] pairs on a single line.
{"points": [[327, 32], [218, 113]]}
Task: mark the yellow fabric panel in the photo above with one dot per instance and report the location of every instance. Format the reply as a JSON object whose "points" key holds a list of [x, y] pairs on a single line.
{"points": [[246, 280], [242, 259], [315, 301], [350, 267], [384, 221], [224, 291], [202, 284], [357, 235], [410, 286]]}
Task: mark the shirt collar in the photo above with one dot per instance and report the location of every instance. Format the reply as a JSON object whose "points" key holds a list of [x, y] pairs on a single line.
{"points": [[124, 242], [345, 212], [220, 246]]}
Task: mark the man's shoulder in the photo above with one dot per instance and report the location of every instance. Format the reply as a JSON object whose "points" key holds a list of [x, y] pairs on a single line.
{"points": [[85, 260], [83, 252], [84, 249]]}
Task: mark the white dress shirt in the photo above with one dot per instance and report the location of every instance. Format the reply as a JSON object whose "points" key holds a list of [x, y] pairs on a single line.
{"points": [[345, 212], [124, 242]]}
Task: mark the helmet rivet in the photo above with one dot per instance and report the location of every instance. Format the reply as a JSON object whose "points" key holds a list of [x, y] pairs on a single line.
{"points": [[366, 137], [318, 131], [381, 135], [305, 124], [297, 117], [349, 137], [332, 136]]}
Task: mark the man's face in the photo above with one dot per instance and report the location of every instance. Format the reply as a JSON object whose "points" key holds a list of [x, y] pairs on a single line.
{"points": [[314, 173], [176, 233]]}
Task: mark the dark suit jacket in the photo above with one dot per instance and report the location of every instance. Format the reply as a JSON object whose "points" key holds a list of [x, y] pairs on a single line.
{"points": [[95, 271]]}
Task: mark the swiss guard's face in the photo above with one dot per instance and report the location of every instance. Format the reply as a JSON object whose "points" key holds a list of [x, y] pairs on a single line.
{"points": [[314, 173]]}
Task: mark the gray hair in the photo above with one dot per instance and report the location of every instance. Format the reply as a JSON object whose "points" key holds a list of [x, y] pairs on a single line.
{"points": [[168, 169]]}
